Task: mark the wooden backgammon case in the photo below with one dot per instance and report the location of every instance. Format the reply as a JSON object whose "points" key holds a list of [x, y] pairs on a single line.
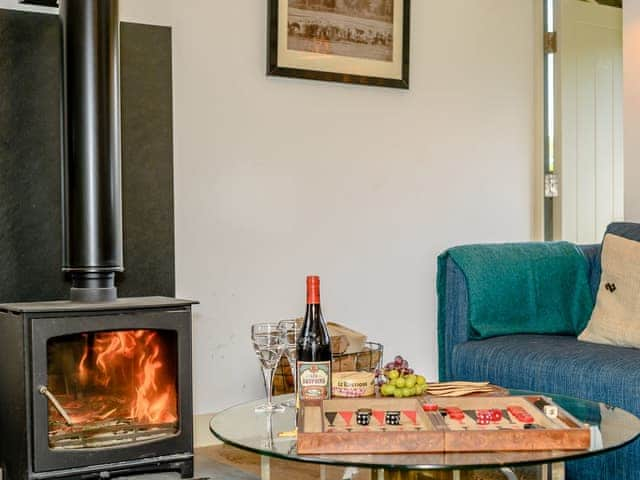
{"points": [[337, 426]]}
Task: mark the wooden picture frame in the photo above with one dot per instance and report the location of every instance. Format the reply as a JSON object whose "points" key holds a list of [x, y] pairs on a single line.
{"points": [[340, 41]]}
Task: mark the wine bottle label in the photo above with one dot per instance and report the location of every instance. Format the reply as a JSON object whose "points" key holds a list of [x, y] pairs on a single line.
{"points": [[314, 380]]}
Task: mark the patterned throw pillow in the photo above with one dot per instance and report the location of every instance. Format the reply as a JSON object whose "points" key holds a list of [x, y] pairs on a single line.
{"points": [[616, 317]]}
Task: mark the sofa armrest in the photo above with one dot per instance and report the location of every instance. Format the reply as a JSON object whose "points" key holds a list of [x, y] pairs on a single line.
{"points": [[452, 314], [453, 305], [592, 254]]}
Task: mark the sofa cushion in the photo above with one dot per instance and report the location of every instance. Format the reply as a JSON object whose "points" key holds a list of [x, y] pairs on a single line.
{"points": [[553, 364], [616, 316]]}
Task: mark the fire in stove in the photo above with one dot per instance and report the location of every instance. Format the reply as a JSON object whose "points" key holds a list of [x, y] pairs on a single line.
{"points": [[110, 388]]}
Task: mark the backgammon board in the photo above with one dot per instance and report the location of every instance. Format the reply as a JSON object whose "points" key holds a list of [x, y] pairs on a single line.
{"points": [[434, 424]]}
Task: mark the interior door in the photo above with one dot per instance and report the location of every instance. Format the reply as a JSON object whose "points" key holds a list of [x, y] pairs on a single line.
{"points": [[590, 120]]}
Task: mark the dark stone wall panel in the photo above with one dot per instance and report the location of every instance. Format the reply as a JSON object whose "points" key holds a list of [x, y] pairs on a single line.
{"points": [[30, 223], [147, 161], [30, 229]]}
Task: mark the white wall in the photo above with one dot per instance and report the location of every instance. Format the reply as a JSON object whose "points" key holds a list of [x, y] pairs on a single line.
{"points": [[278, 178], [632, 110]]}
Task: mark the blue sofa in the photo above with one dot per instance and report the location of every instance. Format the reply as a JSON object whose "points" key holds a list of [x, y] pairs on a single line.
{"points": [[544, 363]]}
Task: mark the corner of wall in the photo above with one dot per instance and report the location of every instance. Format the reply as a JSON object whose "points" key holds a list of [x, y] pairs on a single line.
{"points": [[202, 436]]}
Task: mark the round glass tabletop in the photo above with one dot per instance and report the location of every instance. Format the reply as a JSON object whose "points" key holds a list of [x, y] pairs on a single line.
{"points": [[262, 433]]}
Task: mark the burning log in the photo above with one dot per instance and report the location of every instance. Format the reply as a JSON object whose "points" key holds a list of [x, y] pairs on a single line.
{"points": [[112, 432]]}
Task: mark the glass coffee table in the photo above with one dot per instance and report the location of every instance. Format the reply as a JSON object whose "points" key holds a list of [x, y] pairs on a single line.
{"points": [[262, 433]]}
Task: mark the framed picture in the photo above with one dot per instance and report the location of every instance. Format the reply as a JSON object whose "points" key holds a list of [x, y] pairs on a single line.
{"points": [[351, 41]]}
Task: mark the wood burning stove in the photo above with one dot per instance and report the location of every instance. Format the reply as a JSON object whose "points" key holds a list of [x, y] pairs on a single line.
{"points": [[95, 386], [120, 371]]}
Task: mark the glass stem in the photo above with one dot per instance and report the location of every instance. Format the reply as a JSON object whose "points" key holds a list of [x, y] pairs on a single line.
{"points": [[268, 383], [295, 378]]}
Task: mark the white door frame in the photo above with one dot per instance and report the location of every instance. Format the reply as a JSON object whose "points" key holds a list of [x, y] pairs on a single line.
{"points": [[539, 130], [539, 122]]}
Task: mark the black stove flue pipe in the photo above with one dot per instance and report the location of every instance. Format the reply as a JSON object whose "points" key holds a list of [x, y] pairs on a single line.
{"points": [[91, 173]]}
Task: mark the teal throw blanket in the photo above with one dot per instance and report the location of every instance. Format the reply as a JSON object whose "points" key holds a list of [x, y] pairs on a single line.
{"points": [[539, 287]]}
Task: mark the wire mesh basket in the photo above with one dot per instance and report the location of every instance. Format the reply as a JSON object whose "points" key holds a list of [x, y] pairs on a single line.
{"points": [[367, 359]]}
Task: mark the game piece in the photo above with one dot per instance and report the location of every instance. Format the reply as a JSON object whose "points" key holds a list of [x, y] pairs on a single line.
{"points": [[527, 419], [363, 416], [551, 411], [520, 413], [483, 417], [455, 413], [429, 407], [496, 415], [392, 417]]}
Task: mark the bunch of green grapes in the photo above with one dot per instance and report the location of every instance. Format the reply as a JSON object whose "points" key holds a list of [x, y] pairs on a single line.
{"points": [[398, 380]]}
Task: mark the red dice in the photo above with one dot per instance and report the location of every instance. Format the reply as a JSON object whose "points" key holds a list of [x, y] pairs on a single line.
{"points": [[429, 407], [455, 413], [483, 416], [496, 415], [520, 413]]}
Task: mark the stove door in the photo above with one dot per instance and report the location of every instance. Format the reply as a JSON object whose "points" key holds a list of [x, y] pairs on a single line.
{"points": [[110, 388]]}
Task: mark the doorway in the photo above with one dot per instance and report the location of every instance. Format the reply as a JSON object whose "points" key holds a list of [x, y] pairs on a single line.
{"points": [[583, 160]]}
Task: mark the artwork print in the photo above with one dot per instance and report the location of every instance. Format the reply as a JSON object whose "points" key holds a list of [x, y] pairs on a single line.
{"points": [[349, 28], [353, 41]]}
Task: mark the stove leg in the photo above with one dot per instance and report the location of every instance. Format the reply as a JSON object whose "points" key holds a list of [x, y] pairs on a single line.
{"points": [[186, 469]]}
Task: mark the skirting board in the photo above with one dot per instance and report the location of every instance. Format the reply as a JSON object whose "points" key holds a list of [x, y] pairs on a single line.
{"points": [[202, 436]]}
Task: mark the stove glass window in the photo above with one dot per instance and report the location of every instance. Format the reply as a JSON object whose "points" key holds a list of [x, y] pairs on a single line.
{"points": [[111, 388]]}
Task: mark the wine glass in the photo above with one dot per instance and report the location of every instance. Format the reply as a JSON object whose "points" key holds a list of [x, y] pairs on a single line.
{"points": [[290, 332], [268, 345]]}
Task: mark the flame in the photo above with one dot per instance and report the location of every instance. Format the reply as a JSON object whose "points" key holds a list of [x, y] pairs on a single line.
{"points": [[132, 359], [83, 372]]}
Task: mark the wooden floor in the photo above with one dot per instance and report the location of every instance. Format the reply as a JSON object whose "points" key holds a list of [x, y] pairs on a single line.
{"points": [[226, 462], [223, 462], [247, 466]]}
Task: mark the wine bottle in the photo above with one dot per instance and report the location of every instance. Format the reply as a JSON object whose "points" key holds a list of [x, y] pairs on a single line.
{"points": [[314, 349]]}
